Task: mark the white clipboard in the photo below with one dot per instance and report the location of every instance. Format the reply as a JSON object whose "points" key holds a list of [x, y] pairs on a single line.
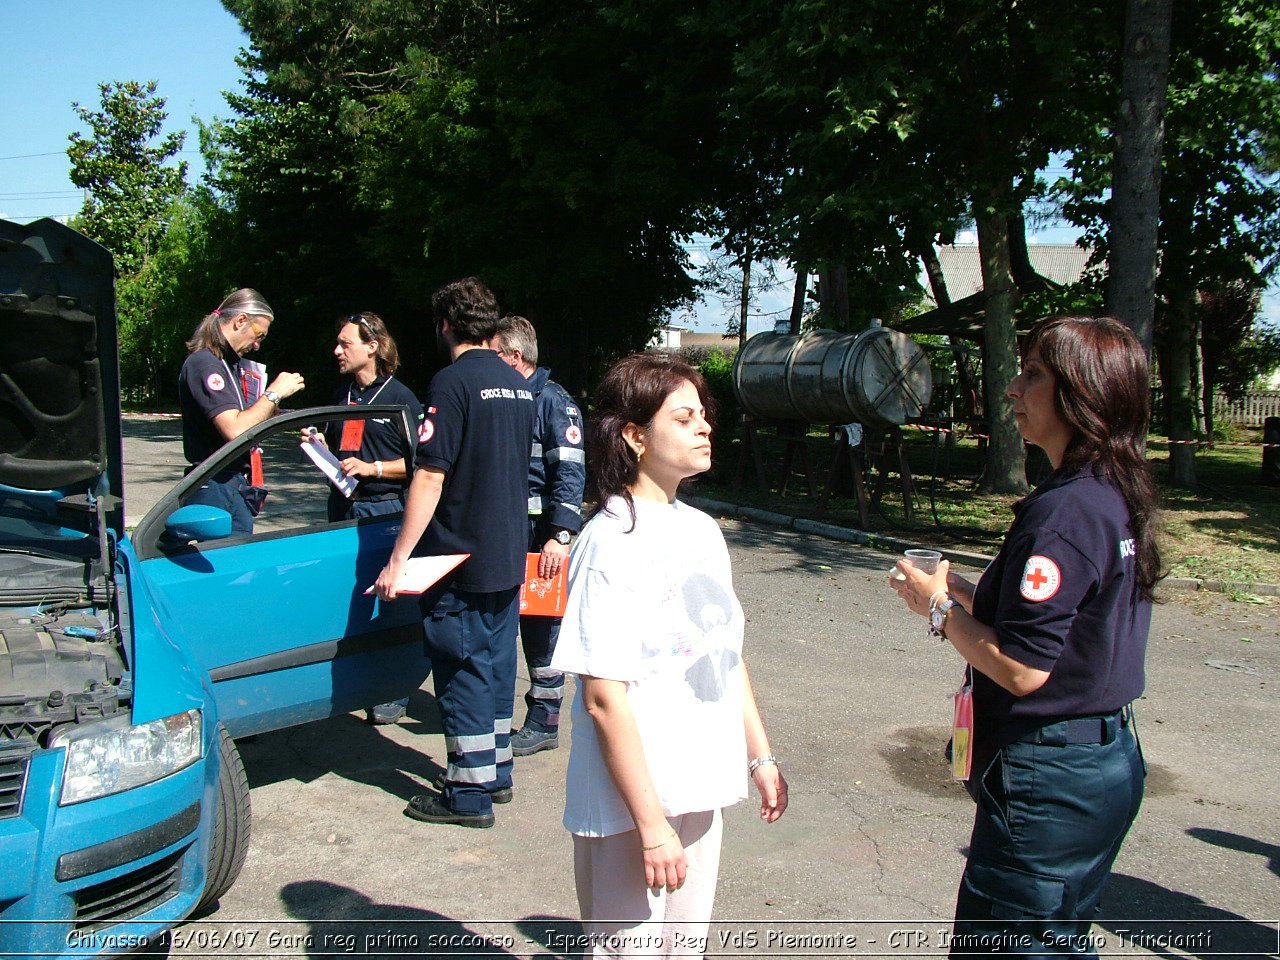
{"points": [[420, 573]]}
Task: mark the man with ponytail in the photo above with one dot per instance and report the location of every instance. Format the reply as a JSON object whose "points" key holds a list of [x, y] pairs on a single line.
{"points": [[215, 409]]}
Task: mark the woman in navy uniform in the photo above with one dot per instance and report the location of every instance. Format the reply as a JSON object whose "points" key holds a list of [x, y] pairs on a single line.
{"points": [[1054, 636]]}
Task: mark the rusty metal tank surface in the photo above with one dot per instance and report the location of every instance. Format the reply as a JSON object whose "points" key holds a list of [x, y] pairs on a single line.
{"points": [[878, 377]]}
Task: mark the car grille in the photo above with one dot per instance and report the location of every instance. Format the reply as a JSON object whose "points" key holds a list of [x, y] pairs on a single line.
{"points": [[13, 780], [129, 896]]}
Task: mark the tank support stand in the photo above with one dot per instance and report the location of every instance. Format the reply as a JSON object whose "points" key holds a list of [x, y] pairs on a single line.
{"points": [[884, 452]]}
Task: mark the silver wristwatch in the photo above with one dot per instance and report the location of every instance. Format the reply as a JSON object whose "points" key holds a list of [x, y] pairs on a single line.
{"points": [[562, 537], [273, 397], [938, 615]]}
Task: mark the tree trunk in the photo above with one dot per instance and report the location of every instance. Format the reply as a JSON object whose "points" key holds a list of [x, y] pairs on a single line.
{"points": [[1204, 405], [1181, 399], [797, 299], [744, 301], [833, 291], [1006, 457], [942, 297], [1135, 191]]}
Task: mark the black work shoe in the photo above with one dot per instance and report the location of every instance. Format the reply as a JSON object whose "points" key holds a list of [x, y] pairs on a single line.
{"points": [[430, 809], [527, 740], [501, 795], [385, 713]]}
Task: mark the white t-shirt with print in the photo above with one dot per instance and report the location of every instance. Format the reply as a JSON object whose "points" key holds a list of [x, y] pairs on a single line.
{"points": [[655, 607]]}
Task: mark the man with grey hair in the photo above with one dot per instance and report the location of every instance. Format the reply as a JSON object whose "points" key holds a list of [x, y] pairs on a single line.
{"points": [[557, 476], [216, 407]]}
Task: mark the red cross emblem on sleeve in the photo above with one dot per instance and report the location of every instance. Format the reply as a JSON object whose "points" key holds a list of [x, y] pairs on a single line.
{"points": [[1040, 579]]}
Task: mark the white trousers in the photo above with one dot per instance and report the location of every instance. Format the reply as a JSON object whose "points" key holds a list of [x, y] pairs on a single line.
{"points": [[622, 917]]}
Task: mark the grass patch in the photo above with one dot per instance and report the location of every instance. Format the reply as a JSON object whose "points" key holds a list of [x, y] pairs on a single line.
{"points": [[1227, 529]]}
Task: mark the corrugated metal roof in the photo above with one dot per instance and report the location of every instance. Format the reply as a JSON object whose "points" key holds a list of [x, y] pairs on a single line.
{"points": [[962, 268]]}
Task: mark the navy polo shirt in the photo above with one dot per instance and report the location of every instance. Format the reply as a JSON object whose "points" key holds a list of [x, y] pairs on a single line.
{"points": [[476, 428], [1063, 596], [208, 385], [381, 438]]}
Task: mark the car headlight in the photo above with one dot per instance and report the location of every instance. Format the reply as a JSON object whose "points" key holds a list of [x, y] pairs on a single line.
{"points": [[116, 755]]}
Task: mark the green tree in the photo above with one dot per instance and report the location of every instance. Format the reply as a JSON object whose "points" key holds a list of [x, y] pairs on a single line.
{"points": [[1220, 199], [132, 195], [128, 186], [906, 117]]}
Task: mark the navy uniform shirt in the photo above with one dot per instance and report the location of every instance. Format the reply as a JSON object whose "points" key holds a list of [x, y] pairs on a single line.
{"points": [[208, 386], [382, 438], [476, 428], [1063, 597], [557, 464]]}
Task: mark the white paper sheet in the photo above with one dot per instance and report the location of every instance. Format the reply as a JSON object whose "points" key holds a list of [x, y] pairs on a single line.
{"points": [[421, 572], [330, 467]]}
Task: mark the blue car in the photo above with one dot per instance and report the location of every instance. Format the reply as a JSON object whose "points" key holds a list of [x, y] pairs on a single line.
{"points": [[131, 662]]}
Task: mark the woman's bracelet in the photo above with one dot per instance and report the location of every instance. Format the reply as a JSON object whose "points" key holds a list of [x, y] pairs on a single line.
{"points": [[759, 762], [662, 844]]}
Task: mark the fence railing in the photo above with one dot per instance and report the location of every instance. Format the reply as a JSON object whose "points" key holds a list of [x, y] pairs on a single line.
{"points": [[1249, 411]]}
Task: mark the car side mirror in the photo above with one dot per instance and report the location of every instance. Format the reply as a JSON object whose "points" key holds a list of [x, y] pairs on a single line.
{"points": [[197, 521]]}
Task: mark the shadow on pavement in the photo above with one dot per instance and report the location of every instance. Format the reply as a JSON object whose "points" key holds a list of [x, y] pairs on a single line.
{"points": [[341, 920], [1170, 923], [350, 748], [1233, 841]]}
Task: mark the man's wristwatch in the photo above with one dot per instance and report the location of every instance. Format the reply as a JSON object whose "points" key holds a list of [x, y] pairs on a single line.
{"points": [[273, 397], [562, 537], [938, 615]]}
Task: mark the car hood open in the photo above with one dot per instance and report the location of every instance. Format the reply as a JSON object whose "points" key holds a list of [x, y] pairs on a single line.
{"points": [[59, 376]]}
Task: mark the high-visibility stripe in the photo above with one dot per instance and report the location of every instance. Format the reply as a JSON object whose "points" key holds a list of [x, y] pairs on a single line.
{"points": [[486, 774], [473, 743], [547, 693], [504, 755], [566, 455], [547, 673], [501, 725], [536, 451]]}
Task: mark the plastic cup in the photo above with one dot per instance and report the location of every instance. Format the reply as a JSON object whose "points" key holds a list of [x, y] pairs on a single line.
{"points": [[926, 561]]}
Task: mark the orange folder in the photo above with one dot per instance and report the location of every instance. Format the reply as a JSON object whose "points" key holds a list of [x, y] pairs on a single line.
{"points": [[543, 597]]}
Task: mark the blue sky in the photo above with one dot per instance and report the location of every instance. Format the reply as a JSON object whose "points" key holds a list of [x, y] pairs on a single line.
{"points": [[58, 51]]}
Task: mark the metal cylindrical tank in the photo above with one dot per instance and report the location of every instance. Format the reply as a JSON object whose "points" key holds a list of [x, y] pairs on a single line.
{"points": [[879, 377]]}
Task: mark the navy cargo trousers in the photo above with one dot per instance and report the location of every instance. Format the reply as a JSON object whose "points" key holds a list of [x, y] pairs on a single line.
{"points": [[471, 639], [1053, 810]]}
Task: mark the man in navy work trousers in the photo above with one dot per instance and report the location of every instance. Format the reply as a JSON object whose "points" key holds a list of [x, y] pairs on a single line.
{"points": [[469, 495], [371, 451], [557, 476]]}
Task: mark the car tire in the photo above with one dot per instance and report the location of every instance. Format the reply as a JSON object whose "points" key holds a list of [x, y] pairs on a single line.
{"points": [[230, 842]]}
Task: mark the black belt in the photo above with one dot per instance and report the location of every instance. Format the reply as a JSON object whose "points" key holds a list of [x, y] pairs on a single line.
{"points": [[379, 498], [1100, 729]]}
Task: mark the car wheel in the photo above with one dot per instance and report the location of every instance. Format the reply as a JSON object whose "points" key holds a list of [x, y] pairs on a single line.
{"points": [[230, 842]]}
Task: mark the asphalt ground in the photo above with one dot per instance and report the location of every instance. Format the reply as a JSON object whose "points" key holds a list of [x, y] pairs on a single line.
{"points": [[856, 698]]}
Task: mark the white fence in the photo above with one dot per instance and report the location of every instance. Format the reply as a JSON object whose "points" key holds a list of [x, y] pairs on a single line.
{"points": [[1254, 407]]}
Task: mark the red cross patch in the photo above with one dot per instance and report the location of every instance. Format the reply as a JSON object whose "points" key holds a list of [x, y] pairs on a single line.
{"points": [[426, 431], [1040, 579], [214, 382], [573, 435]]}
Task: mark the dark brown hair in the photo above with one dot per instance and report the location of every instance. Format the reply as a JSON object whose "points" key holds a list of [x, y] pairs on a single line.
{"points": [[470, 307], [633, 391], [371, 328], [1103, 392]]}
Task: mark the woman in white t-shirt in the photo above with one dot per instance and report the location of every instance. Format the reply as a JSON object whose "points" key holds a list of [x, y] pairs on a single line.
{"points": [[665, 726]]}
